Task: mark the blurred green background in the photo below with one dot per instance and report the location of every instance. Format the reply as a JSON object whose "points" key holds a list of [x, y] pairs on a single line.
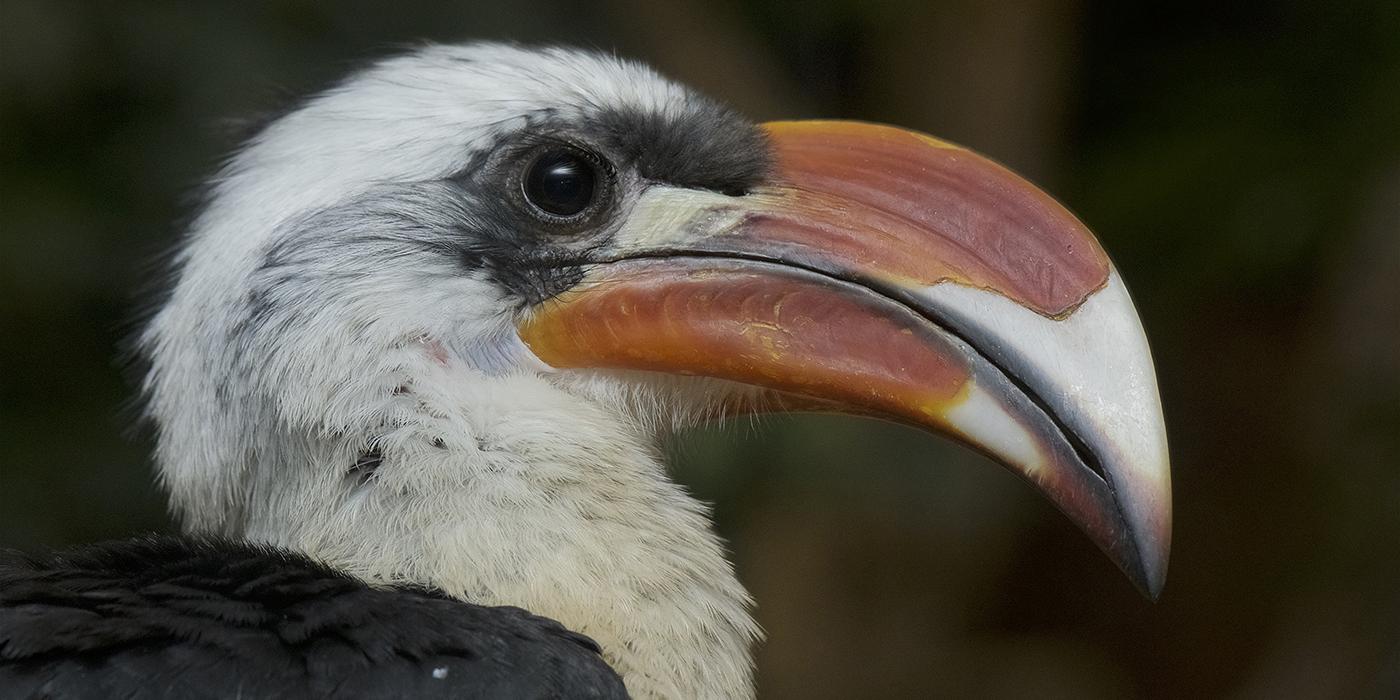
{"points": [[1241, 161]]}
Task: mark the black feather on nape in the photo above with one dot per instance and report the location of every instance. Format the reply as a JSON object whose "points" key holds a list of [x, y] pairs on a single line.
{"points": [[165, 617], [366, 466]]}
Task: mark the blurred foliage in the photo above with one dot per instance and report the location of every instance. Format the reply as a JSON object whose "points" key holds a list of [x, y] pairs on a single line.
{"points": [[1241, 161]]}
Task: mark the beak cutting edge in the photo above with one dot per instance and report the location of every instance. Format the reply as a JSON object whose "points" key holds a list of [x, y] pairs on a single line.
{"points": [[887, 273]]}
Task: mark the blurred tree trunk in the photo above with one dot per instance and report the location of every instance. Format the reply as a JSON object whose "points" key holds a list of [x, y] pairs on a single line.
{"points": [[708, 46], [989, 75]]}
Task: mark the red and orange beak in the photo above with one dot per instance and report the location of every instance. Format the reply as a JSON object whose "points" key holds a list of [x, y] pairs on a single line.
{"points": [[886, 273]]}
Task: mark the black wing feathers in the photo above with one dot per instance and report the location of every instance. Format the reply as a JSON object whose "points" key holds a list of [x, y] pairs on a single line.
{"points": [[203, 618]]}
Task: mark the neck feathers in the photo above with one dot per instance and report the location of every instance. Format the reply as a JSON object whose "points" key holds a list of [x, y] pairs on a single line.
{"points": [[513, 491]]}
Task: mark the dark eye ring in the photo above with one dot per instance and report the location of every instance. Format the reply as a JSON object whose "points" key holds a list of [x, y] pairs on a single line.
{"points": [[561, 181]]}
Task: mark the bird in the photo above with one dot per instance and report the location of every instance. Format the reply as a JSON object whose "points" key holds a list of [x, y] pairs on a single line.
{"points": [[428, 328]]}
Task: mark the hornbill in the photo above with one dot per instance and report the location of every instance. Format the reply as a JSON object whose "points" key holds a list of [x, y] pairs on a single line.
{"points": [[427, 330]]}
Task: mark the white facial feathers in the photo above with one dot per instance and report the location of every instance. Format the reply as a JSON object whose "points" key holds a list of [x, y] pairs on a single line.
{"points": [[321, 312]]}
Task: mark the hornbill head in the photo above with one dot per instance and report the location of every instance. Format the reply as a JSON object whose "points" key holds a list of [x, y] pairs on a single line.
{"points": [[469, 283]]}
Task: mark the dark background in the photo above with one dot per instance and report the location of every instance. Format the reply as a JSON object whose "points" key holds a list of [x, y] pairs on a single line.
{"points": [[1241, 161]]}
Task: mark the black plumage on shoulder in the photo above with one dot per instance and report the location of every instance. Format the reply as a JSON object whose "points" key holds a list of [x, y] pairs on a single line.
{"points": [[166, 617]]}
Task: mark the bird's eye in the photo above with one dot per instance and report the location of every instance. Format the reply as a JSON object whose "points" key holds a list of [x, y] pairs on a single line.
{"points": [[561, 182]]}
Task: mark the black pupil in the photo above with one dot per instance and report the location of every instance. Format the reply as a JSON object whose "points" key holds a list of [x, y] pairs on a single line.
{"points": [[560, 182]]}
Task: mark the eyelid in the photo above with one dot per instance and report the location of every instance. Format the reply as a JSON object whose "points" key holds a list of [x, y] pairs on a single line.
{"points": [[533, 142], [590, 154]]}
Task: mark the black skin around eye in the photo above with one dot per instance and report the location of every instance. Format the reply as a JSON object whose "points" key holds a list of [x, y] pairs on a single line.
{"points": [[561, 182]]}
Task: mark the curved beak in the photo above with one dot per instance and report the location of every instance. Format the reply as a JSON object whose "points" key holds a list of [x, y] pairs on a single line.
{"points": [[887, 273]]}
